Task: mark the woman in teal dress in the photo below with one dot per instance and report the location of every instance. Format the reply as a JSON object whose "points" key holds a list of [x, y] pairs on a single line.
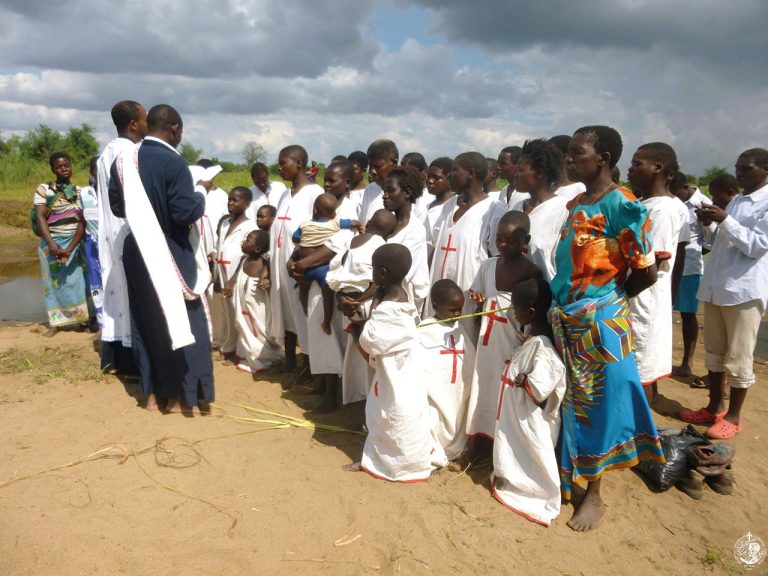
{"points": [[61, 225], [607, 423]]}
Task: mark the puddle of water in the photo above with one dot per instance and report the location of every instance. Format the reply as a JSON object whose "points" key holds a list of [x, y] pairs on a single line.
{"points": [[21, 292]]}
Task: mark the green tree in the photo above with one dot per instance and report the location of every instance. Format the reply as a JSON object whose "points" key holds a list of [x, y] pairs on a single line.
{"points": [[190, 153], [710, 173], [81, 143], [41, 142]]}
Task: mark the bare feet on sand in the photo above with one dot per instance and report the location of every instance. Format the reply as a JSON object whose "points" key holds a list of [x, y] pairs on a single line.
{"points": [[152, 404], [682, 370], [589, 513], [354, 467]]}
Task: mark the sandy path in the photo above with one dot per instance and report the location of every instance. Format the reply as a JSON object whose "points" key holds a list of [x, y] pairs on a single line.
{"points": [[290, 498]]}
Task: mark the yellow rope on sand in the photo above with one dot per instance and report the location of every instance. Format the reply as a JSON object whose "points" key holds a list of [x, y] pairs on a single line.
{"points": [[473, 315], [284, 421]]}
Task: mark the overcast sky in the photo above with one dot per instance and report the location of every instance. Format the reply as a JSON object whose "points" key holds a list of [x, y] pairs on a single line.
{"points": [[437, 76]]}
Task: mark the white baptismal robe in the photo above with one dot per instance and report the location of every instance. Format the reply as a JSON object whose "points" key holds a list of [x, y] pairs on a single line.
{"points": [[116, 318], [525, 470], [414, 237], [257, 350], [352, 270], [546, 221], [462, 246], [447, 358], [287, 314], [652, 308], [499, 337], [228, 254], [399, 443], [326, 351], [570, 191]]}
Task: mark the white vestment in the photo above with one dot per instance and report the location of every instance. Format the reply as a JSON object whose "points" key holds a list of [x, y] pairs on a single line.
{"points": [[546, 221], [256, 350], [274, 192], [216, 208], [287, 313], [514, 196], [399, 442], [414, 237], [228, 255], [652, 308], [447, 359], [462, 246], [499, 337], [525, 476], [352, 270], [373, 200], [116, 318], [570, 191], [326, 352]]}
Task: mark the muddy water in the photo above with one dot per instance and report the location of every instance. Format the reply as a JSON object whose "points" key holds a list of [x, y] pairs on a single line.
{"points": [[21, 292]]}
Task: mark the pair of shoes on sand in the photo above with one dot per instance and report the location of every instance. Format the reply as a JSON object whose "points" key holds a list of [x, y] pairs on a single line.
{"points": [[711, 464], [719, 427]]}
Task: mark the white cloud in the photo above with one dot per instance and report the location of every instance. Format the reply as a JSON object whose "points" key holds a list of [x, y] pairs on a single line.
{"points": [[299, 72]]}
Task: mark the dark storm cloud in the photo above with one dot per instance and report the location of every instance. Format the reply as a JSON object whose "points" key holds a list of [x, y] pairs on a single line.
{"points": [[207, 38], [728, 36]]}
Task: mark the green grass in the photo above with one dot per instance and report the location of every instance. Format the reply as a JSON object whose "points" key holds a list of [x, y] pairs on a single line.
{"points": [[48, 363]]}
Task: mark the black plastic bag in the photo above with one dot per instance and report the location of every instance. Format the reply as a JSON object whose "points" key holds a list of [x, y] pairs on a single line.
{"points": [[676, 444]]}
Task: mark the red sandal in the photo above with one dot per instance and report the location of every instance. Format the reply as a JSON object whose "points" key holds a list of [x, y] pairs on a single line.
{"points": [[702, 416], [723, 429]]}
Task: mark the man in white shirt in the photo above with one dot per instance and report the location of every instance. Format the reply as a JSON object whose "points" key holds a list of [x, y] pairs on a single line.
{"points": [[734, 290], [265, 191], [693, 268], [130, 120]]}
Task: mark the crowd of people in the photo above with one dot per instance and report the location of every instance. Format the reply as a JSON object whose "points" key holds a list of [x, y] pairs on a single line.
{"points": [[531, 323]]}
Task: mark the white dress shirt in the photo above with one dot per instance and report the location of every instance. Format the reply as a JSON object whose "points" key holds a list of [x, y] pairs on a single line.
{"points": [[737, 271]]}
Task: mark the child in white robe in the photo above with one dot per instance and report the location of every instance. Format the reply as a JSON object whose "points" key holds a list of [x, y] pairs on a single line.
{"points": [[466, 237], [525, 472], [653, 166], [447, 358], [350, 275], [230, 235], [500, 335], [399, 443], [256, 350]]}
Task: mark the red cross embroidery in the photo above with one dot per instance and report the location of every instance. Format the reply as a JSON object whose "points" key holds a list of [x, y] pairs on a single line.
{"points": [[455, 354], [282, 227], [491, 319], [447, 249], [505, 381]]}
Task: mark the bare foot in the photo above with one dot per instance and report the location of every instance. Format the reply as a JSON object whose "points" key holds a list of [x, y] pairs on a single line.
{"points": [[204, 407], [51, 333], [354, 467], [152, 404], [326, 328], [588, 516], [173, 406], [682, 370]]}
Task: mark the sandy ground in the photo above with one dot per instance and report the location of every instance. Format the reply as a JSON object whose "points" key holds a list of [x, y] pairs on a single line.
{"points": [[227, 496]]}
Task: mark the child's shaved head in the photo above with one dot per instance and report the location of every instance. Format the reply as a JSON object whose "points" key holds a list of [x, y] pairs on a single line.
{"points": [[382, 223], [445, 290], [325, 205], [516, 219], [395, 259]]}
